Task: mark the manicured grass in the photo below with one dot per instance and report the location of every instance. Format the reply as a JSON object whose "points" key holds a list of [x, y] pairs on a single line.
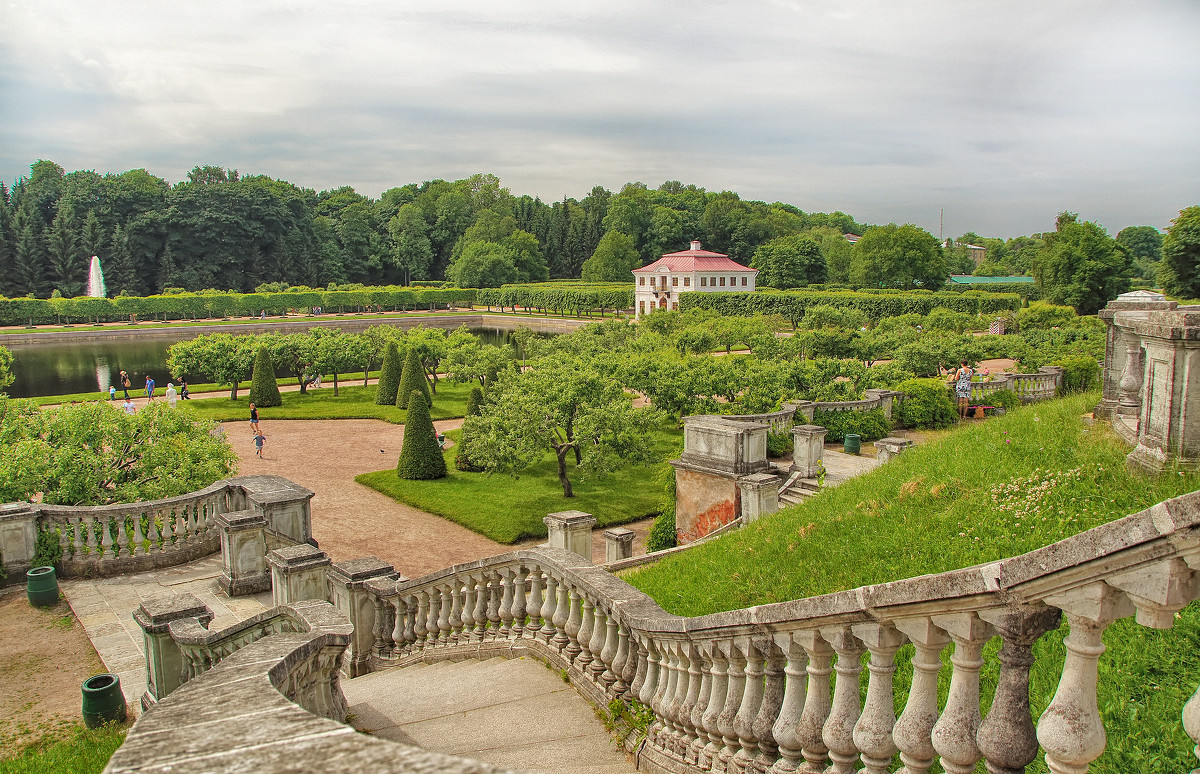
{"points": [[80, 751], [355, 402], [196, 390], [981, 493], [508, 509]]}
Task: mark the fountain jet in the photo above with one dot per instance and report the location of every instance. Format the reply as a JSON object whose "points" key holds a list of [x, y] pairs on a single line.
{"points": [[96, 287]]}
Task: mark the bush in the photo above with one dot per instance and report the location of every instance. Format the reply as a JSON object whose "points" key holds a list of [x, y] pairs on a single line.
{"points": [[779, 444], [1080, 374], [1044, 315], [474, 401], [420, 456], [871, 425], [389, 376], [662, 533], [462, 460], [47, 551], [927, 403], [1005, 399], [264, 390], [412, 378]]}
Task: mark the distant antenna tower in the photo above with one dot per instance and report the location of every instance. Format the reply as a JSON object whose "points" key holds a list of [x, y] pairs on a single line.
{"points": [[941, 224]]}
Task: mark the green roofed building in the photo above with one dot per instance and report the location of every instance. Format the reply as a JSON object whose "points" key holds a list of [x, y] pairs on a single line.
{"points": [[970, 279]]}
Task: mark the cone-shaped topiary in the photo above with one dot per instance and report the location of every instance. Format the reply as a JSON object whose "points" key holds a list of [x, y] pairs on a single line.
{"points": [[420, 457], [462, 460], [264, 391], [474, 401], [412, 378], [389, 376]]}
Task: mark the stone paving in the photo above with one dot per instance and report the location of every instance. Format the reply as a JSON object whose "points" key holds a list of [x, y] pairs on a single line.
{"points": [[105, 608]]}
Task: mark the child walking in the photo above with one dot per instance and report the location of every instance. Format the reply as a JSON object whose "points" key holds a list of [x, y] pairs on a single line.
{"points": [[259, 440]]}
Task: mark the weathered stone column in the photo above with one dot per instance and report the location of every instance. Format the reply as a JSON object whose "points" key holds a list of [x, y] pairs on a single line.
{"points": [[1116, 342], [349, 594], [164, 661], [887, 448], [808, 446], [572, 531], [243, 553], [298, 573], [760, 496], [618, 544]]}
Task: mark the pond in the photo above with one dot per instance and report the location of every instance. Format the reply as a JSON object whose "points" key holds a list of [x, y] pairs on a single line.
{"points": [[64, 368]]}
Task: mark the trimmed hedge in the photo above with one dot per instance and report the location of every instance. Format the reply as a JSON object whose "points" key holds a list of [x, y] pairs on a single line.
{"points": [[389, 376], [876, 305], [412, 379], [927, 403], [420, 456], [562, 298], [1026, 290], [264, 390], [871, 425]]}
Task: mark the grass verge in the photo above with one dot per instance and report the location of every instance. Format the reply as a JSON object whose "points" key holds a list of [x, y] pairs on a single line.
{"points": [[985, 492], [507, 509], [77, 751], [352, 403]]}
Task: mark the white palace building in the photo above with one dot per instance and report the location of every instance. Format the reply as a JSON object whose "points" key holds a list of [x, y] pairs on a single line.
{"points": [[658, 285]]}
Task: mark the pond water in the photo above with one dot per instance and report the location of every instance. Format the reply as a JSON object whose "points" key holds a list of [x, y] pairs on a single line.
{"points": [[84, 366]]}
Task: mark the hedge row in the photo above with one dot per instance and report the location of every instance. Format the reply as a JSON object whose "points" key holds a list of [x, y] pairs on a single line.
{"points": [[1026, 290], [561, 298], [792, 304], [200, 306]]}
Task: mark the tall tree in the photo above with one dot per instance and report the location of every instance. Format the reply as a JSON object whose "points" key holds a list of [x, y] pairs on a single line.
{"points": [[67, 266], [411, 248], [483, 265], [614, 260], [1079, 265], [30, 257], [1144, 246], [1180, 272], [789, 262], [894, 256], [119, 274]]}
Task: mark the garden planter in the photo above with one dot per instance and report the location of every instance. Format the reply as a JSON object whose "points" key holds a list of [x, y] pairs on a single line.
{"points": [[103, 701], [853, 443], [41, 586]]}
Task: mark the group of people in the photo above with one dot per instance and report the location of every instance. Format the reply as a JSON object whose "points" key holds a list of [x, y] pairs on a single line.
{"points": [[171, 394]]}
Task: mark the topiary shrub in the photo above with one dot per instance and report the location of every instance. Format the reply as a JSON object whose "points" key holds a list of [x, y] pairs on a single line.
{"points": [[420, 456], [264, 390], [412, 378], [1080, 374], [474, 401], [779, 444], [927, 403], [870, 425], [389, 376]]}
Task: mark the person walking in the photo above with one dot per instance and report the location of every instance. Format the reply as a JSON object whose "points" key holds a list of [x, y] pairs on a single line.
{"points": [[112, 392], [149, 389], [254, 418], [125, 384], [172, 396], [962, 388], [259, 440], [183, 390], [128, 406]]}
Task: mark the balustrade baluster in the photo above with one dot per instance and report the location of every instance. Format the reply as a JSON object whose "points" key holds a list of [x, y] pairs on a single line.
{"points": [[838, 731], [468, 610], [389, 644], [493, 605], [816, 702], [106, 542], [791, 707], [482, 594], [180, 528], [608, 655], [587, 623], [506, 603], [1006, 737], [431, 619], [596, 643], [954, 733], [90, 529], [660, 701], [518, 605], [457, 606], [399, 614], [136, 547], [772, 700], [710, 721], [562, 611], [625, 663], [574, 621], [873, 731], [650, 679], [743, 722], [419, 628], [77, 541], [536, 602], [410, 624], [913, 732], [641, 662], [377, 626], [445, 604], [735, 687], [1071, 730], [152, 535], [703, 663], [122, 547]]}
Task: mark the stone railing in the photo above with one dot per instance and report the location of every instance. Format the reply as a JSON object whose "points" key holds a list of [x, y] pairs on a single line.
{"points": [[750, 690], [1029, 388], [274, 703], [105, 540]]}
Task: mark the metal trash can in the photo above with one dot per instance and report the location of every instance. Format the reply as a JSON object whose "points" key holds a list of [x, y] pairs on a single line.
{"points": [[103, 701], [853, 443]]}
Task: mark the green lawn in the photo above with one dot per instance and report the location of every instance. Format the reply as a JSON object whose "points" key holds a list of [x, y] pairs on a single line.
{"points": [[80, 751], [356, 402], [508, 509], [981, 493]]}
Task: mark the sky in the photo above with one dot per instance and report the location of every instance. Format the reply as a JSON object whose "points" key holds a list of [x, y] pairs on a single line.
{"points": [[1001, 114]]}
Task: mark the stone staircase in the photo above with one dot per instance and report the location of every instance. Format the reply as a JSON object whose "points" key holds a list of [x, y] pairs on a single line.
{"points": [[796, 489], [512, 713]]}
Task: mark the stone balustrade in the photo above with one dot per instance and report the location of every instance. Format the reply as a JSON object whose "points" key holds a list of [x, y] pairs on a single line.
{"points": [[750, 690], [1030, 388], [106, 540]]}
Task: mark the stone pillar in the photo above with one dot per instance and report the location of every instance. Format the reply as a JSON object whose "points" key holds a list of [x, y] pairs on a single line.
{"points": [[887, 448], [1169, 389], [298, 573], [1129, 305], [618, 544], [18, 537], [806, 409], [284, 505], [243, 553], [164, 662], [808, 443], [886, 398], [348, 593], [571, 531], [760, 496]]}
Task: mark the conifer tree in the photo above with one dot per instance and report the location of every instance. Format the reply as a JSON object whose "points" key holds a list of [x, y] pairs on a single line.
{"points": [[420, 456], [462, 460], [66, 260], [474, 401], [389, 376], [119, 271], [412, 378], [264, 390]]}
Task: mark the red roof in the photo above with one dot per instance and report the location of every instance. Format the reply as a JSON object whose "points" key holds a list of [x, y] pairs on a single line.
{"points": [[695, 260]]}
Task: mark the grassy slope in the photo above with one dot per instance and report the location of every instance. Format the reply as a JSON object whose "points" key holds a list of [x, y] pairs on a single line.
{"points": [[988, 491], [508, 509], [356, 402], [80, 751]]}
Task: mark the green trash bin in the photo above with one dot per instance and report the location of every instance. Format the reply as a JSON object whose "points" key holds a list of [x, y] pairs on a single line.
{"points": [[853, 443], [103, 701], [41, 586]]}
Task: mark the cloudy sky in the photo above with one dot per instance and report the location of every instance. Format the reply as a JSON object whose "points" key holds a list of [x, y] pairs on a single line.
{"points": [[1001, 113]]}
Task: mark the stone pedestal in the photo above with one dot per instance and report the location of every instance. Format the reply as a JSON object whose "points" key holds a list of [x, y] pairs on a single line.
{"points": [[1118, 340], [18, 537], [283, 504], [243, 553], [887, 448], [808, 448], [760, 496], [717, 453], [298, 573], [347, 592], [571, 531], [164, 661], [618, 544]]}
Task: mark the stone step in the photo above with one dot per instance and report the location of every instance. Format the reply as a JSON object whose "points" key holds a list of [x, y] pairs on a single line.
{"points": [[514, 713]]}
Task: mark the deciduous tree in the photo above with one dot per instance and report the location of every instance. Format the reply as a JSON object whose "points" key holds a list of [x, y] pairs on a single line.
{"points": [[789, 262], [1180, 273], [1079, 265]]}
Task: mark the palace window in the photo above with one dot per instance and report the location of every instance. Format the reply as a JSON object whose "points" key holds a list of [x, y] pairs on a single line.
{"points": [[704, 282], [674, 282], [743, 282], [642, 281], [722, 282], [687, 282]]}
